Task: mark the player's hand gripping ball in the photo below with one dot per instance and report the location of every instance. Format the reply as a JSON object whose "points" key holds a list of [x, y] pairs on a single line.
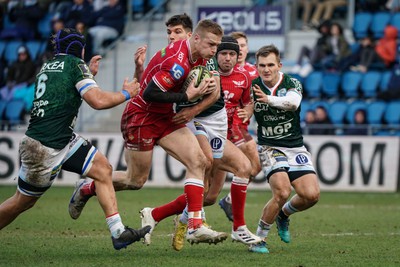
{"points": [[197, 74]]}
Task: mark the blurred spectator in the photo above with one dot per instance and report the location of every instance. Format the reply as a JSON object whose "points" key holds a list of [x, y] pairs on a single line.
{"points": [[322, 124], [370, 5], [386, 47], [82, 28], [26, 16], [393, 5], [338, 46], [393, 88], [325, 10], [56, 25], [309, 120], [107, 24], [380, 56], [307, 7], [311, 57], [362, 58], [360, 126], [20, 74], [71, 13]]}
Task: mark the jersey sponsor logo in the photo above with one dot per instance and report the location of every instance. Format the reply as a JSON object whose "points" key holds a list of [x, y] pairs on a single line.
{"points": [[163, 52], [253, 73], [258, 107], [277, 130], [177, 71], [199, 126], [167, 80], [85, 71], [53, 66], [278, 155], [228, 95], [216, 143], [281, 92], [238, 83], [301, 159], [181, 55]]}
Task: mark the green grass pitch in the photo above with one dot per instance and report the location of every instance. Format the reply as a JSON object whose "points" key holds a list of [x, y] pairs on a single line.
{"points": [[343, 229]]}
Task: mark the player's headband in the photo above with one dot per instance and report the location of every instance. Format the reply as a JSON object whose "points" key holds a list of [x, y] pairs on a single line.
{"points": [[228, 43]]}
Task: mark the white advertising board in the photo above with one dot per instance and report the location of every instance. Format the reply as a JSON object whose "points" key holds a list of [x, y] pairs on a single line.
{"points": [[343, 163]]}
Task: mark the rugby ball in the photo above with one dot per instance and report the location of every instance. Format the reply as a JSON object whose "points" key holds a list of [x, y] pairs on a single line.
{"points": [[197, 73]]}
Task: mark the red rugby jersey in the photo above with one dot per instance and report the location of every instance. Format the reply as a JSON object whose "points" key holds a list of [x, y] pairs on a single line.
{"points": [[168, 68], [236, 90]]}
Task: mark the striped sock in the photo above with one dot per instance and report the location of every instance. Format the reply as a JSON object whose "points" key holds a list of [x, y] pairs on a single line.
{"points": [[288, 209], [263, 229], [115, 225]]}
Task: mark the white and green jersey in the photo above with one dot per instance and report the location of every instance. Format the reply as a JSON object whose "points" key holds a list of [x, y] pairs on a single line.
{"points": [[278, 127], [59, 87]]}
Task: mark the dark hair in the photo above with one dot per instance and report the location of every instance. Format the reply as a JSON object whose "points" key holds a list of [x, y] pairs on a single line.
{"points": [[181, 19], [339, 27], [69, 41], [266, 50]]}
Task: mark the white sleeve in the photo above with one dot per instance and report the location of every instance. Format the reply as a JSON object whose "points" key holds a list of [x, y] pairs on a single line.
{"points": [[290, 102], [85, 85]]}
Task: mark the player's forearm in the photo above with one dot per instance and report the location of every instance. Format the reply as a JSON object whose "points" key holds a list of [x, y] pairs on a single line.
{"points": [[290, 102], [208, 101], [106, 100]]}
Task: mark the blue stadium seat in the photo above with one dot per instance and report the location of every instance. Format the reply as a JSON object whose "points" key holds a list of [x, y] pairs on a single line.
{"points": [[14, 110], [370, 83], [383, 85], [352, 108], [379, 21], [305, 106], [395, 20], [3, 104], [313, 83], [34, 48], [337, 111], [362, 21], [11, 51], [375, 111], [350, 83], [3, 45], [392, 113], [44, 26], [330, 84], [137, 6]]}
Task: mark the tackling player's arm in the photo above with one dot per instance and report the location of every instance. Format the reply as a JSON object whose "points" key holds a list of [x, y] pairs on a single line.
{"points": [[99, 99], [139, 58], [290, 102]]}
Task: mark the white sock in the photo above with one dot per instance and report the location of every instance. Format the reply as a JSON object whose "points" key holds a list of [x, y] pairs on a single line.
{"points": [[288, 209], [228, 198], [263, 229], [184, 216], [203, 215], [115, 225]]}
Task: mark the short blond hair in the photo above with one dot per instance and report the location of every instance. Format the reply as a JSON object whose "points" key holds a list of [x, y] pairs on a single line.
{"points": [[207, 25], [238, 35]]}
